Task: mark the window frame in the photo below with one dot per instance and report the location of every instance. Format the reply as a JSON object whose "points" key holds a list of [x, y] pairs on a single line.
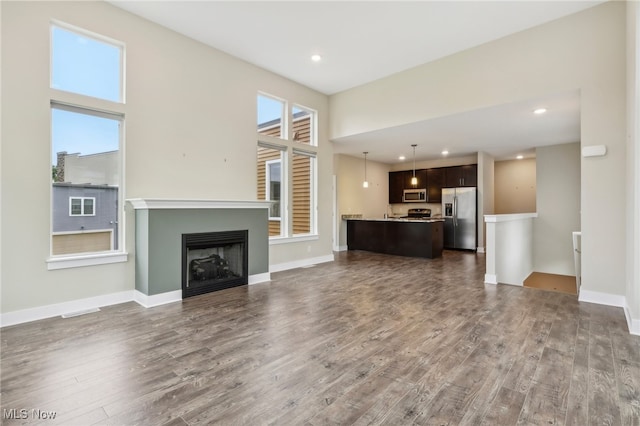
{"points": [[289, 148], [313, 123], [82, 206], [64, 261], [284, 121], [267, 189], [284, 184], [97, 37]]}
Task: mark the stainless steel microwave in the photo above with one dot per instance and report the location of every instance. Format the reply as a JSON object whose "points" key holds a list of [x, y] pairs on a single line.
{"points": [[414, 196]]}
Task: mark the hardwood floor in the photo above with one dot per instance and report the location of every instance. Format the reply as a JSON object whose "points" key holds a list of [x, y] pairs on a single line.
{"points": [[367, 339]]}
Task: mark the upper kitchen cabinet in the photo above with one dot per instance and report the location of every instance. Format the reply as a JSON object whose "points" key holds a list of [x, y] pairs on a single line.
{"points": [[396, 186], [461, 176], [421, 175], [399, 181], [435, 182]]}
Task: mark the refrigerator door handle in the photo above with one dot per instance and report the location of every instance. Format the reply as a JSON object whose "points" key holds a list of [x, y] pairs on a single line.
{"points": [[455, 211]]}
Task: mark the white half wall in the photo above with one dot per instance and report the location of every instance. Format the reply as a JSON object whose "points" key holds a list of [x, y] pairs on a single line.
{"points": [[509, 250]]}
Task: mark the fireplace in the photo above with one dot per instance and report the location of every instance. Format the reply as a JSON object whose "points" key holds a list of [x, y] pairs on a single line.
{"points": [[214, 261]]}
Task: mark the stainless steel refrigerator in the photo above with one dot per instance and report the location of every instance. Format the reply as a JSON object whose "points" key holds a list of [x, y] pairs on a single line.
{"points": [[459, 207]]}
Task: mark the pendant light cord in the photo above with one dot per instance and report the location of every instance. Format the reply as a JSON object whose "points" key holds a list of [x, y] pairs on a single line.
{"points": [[414, 159]]}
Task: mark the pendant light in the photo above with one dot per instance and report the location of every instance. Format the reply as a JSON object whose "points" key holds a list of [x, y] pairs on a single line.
{"points": [[365, 184], [414, 179]]}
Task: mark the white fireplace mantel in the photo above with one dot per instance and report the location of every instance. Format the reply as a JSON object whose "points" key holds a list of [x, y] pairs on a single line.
{"points": [[163, 203]]}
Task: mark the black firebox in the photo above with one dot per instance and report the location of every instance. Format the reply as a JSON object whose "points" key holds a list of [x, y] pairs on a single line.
{"points": [[213, 261]]}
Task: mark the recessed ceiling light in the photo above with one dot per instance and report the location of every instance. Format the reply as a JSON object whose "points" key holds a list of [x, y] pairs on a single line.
{"points": [[402, 157], [520, 157], [316, 58], [445, 152], [540, 111]]}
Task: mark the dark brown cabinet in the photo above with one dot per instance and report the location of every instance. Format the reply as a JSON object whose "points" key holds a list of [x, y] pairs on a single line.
{"points": [[415, 239], [435, 182], [399, 181], [461, 176], [396, 186]]}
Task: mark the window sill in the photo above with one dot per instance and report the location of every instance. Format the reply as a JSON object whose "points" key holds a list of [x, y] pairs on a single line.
{"points": [[296, 239], [65, 262]]}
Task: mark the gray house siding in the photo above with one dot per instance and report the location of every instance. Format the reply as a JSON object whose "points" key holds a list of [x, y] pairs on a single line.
{"points": [[106, 208]]}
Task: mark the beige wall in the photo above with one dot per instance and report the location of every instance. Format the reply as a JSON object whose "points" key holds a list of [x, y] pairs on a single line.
{"points": [[486, 190], [515, 186], [633, 165], [558, 208], [371, 202], [566, 54], [190, 132]]}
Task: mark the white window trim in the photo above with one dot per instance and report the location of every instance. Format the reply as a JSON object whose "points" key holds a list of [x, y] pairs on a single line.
{"points": [[284, 184], [92, 259], [294, 239], [289, 148], [85, 104], [95, 36], [82, 200], [83, 259]]}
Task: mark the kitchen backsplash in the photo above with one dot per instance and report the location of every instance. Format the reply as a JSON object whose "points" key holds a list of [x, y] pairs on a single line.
{"points": [[401, 209]]}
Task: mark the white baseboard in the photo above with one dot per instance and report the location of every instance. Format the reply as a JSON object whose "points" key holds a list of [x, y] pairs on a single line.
{"points": [[633, 324], [341, 248], [301, 263], [490, 279], [259, 278], [156, 299], [480, 250], [57, 309], [602, 298], [67, 308]]}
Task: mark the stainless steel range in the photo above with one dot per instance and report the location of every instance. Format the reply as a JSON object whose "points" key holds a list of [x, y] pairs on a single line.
{"points": [[417, 214]]}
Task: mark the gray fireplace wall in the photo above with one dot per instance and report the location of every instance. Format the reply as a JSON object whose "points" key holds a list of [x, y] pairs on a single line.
{"points": [[159, 232]]}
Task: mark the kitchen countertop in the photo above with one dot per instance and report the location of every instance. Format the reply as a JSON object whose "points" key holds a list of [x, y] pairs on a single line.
{"points": [[397, 219]]}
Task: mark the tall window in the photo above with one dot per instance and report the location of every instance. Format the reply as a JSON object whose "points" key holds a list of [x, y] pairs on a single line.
{"points": [[86, 160], [271, 185], [85, 180], [286, 158]]}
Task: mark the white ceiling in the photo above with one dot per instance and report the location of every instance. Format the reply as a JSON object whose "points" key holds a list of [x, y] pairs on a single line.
{"points": [[503, 131], [363, 41]]}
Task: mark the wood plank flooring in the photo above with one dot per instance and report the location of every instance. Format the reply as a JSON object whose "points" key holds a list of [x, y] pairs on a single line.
{"points": [[367, 339]]}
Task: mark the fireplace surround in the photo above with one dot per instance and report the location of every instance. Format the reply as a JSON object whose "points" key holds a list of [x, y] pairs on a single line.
{"points": [[160, 225]]}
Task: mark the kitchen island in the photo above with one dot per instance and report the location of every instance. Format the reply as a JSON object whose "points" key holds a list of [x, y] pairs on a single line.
{"points": [[400, 237]]}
